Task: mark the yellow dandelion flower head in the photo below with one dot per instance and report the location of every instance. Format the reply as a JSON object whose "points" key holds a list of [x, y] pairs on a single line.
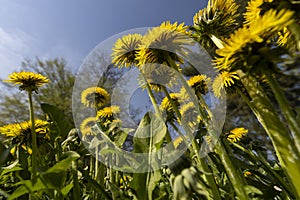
{"points": [[254, 10], [125, 49], [24, 128], [232, 46], [224, 79], [199, 83], [217, 10], [162, 42], [29, 81], [175, 27], [190, 114], [166, 104], [86, 125], [94, 97], [218, 19], [260, 30], [271, 22], [108, 112], [236, 134]]}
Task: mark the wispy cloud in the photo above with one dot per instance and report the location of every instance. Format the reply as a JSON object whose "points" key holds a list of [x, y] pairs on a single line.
{"points": [[14, 46]]}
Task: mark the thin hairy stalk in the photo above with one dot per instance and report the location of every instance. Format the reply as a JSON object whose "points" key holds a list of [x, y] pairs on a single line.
{"points": [[33, 136], [266, 114], [233, 172], [266, 167], [286, 109], [201, 161]]}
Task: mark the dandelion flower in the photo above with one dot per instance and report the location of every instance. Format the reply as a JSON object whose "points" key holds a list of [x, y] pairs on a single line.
{"points": [[271, 22], [254, 10], [236, 134], [125, 49], [167, 107], [232, 46], [190, 114], [94, 97], [86, 125], [28, 81], [24, 128], [159, 43], [224, 79], [181, 28], [166, 104], [218, 19], [108, 112], [259, 31], [199, 83]]}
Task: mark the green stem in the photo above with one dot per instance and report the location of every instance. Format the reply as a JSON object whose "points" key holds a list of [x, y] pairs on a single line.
{"points": [[179, 132], [233, 172], [208, 173], [235, 178], [152, 98], [287, 111], [96, 163], [156, 108], [76, 190], [275, 175], [266, 167], [33, 136], [111, 175], [201, 161], [262, 107], [92, 164], [175, 108]]}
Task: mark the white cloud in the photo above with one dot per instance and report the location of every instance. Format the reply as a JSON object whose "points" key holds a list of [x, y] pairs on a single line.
{"points": [[14, 46]]}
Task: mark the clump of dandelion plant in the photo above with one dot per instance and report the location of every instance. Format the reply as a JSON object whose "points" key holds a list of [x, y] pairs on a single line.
{"points": [[30, 82]]}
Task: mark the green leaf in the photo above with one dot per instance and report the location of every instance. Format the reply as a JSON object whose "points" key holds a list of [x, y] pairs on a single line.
{"points": [[64, 164], [54, 180], [150, 126], [64, 191], [252, 190], [120, 138], [27, 187], [63, 125], [10, 169]]}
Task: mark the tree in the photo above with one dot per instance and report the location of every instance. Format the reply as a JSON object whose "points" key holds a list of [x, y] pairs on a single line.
{"points": [[57, 92]]}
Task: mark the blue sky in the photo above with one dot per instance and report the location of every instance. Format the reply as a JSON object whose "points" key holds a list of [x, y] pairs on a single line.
{"points": [[72, 28]]}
